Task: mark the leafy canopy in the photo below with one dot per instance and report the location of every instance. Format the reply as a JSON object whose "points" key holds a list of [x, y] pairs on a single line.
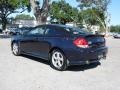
{"points": [[63, 12], [98, 10], [8, 7]]}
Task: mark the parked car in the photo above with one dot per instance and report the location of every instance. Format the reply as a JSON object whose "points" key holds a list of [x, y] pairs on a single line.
{"points": [[117, 35], [60, 44], [0, 30], [14, 32], [9, 31], [19, 31], [6, 31]]}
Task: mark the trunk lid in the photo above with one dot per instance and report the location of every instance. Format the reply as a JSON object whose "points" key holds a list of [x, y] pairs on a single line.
{"points": [[94, 41]]}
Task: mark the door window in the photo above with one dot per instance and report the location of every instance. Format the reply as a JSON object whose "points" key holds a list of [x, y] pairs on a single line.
{"points": [[37, 31]]}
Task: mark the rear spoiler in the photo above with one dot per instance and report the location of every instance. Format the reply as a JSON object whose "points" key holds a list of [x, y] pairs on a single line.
{"points": [[95, 35]]}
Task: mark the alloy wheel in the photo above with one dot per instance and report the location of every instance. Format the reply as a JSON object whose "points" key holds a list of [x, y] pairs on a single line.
{"points": [[57, 59], [15, 49]]}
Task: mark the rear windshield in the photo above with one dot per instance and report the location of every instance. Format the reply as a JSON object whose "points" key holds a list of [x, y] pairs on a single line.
{"points": [[78, 31]]}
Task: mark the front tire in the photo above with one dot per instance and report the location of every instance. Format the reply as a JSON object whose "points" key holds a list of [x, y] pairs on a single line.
{"points": [[58, 60], [16, 49]]}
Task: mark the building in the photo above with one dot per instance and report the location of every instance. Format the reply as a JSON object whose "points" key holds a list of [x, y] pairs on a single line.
{"points": [[25, 23], [95, 28]]}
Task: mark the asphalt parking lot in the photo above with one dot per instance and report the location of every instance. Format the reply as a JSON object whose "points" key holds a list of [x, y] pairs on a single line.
{"points": [[28, 73]]}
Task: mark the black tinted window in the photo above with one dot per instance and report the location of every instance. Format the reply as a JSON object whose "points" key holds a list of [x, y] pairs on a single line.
{"points": [[77, 30], [55, 31]]}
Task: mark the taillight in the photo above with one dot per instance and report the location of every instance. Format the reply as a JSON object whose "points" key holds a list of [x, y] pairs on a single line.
{"points": [[81, 42]]}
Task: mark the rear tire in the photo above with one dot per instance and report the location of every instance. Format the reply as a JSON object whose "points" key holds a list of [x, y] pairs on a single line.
{"points": [[16, 49], [58, 60]]}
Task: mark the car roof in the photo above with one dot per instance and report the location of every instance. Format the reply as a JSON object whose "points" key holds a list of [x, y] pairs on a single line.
{"points": [[56, 25], [25, 28]]}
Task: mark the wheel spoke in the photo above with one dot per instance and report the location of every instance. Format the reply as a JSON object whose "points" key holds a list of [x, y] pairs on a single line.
{"points": [[59, 63], [57, 59]]}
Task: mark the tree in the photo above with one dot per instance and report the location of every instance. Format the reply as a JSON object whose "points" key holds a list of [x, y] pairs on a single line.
{"points": [[24, 17], [63, 12], [115, 28], [88, 18], [40, 9], [101, 6], [8, 7]]}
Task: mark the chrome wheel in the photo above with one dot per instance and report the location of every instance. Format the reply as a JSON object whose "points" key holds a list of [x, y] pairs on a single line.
{"points": [[15, 49], [57, 59]]}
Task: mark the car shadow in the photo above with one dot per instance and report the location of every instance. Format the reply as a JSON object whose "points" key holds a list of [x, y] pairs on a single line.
{"points": [[83, 67], [36, 59], [70, 68]]}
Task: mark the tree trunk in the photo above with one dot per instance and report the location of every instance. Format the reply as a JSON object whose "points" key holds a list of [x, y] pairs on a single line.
{"points": [[41, 13], [4, 23], [33, 5], [41, 20]]}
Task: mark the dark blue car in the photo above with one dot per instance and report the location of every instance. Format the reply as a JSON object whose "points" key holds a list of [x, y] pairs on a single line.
{"points": [[60, 44]]}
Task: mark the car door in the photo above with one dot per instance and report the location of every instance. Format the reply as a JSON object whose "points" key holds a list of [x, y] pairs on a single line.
{"points": [[29, 41], [39, 44], [34, 43]]}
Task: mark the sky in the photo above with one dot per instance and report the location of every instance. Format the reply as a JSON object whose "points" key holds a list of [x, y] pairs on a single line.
{"points": [[113, 9]]}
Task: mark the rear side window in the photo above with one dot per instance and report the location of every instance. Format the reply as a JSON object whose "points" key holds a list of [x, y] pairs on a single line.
{"points": [[49, 32], [55, 31], [77, 30], [33, 32], [37, 31]]}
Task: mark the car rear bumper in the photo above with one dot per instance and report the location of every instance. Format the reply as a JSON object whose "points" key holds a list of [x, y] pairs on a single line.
{"points": [[83, 62], [80, 57]]}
